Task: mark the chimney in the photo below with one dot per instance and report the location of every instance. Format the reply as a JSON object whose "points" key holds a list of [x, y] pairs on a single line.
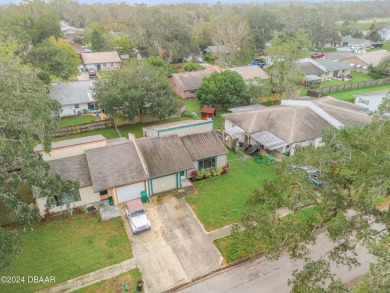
{"points": [[131, 136]]}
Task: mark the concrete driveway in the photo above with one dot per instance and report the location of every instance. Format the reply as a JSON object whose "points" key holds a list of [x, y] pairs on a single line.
{"points": [[176, 249]]}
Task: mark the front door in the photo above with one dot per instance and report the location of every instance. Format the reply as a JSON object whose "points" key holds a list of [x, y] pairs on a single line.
{"points": [[182, 175]]}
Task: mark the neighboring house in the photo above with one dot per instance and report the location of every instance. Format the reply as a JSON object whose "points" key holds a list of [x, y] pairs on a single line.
{"points": [[78, 48], [250, 72], [246, 108], [142, 55], [372, 100], [361, 62], [185, 84], [216, 50], [69, 31], [293, 124], [180, 128], [324, 68], [100, 61], [123, 169], [75, 97], [353, 43]]}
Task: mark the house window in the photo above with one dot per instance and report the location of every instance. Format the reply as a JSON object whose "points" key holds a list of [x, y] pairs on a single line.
{"points": [[364, 101], [112, 64], [206, 163], [104, 64], [65, 199], [103, 192], [77, 106]]}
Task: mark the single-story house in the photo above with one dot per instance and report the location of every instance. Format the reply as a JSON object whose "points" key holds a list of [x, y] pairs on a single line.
{"points": [[351, 42], [100, 61], [142, 55], [293, 124], [208, 113], [361, 62], [216, 50], [75, 97], [372, 100], [324, 68], [250, 72], [181, 128], [185, 84], [123, 169], [70, 32]]}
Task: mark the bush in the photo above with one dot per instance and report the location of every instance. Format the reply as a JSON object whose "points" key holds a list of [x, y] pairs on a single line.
{"points": [[191, 66], [79, 210]]}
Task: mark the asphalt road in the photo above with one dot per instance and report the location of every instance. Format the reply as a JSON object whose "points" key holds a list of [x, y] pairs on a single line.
{"points": [[262, 276]]}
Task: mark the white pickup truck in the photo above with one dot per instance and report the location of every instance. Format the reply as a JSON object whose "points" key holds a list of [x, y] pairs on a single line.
{"points": [[136, 214]]}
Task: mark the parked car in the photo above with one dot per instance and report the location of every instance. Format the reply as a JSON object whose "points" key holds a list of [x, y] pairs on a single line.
{"points": [[318, 55], [312, 173], [136, 214], [92, 73], [199, 60], [257, 63]]}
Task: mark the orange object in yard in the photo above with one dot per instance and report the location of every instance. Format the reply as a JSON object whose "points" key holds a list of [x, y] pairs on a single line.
{"points": [[207, 113]]}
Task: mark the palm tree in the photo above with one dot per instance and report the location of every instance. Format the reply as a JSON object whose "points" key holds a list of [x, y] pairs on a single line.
{"points": [[384, 65]]}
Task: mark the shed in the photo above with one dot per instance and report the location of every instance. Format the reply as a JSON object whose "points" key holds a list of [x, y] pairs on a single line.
{"points": [[208, 113]]}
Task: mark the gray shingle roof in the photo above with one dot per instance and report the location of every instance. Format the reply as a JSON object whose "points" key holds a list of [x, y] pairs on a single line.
{"points": [[310, 69], [250, 72], [71, 142], [333, 65], [203, 145], [347, 113], [290, 123], [115, 165], [71, 93], [175, 124], [72, 168], [189, 81], [100, 57], [164, 155], [246, 108]]}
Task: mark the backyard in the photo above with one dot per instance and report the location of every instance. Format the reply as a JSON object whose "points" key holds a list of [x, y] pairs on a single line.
{"points": [[68, 247], [357, 77], [115, 284], [220, 200], [348, 95], [76, 120]]}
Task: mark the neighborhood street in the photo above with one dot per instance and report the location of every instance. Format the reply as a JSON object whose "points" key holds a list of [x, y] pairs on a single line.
{"points": [[265, 276]]}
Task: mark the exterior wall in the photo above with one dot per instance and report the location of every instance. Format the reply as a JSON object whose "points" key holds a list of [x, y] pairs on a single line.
{"points": [[186, 130], [228, 124], [150, 133], [72, 150], [221, 160], [372, 103], [130, 192], [165, 183], [312, 142], [330, 74], [87, 196], [70, 110]]}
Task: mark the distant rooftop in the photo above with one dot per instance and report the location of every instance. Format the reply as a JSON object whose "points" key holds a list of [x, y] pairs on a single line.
{"points": [[246, 108], [175, 124], [71, 93], [71, 142]]}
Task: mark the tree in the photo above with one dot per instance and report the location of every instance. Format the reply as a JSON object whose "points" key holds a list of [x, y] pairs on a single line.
{"points": [[98, 43], [234, 34], [26, 116], [56, 57], [384, 65], [284, 51], [160, 63], [138, 89], [354, 167], [223, 90]]}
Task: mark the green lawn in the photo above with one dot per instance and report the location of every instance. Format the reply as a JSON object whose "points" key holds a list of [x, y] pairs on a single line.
{"points": [[347, 95], [357, 77], [231, 247], [76, 120], [68, 247], [115, 284], [220, 200], [109, 133]]}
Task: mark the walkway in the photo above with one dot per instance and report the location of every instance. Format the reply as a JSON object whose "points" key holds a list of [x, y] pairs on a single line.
{"points": [[88, 279]]}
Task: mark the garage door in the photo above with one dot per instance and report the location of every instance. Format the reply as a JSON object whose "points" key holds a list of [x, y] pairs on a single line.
{"points": [[164, 183], [130, 192]]}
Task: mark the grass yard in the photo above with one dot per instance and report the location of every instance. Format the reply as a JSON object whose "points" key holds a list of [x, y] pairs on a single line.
{"points": [[68, 247], [231, 247], [357, 77], [109, 133], [115, 284], [347, 95], [76, 120], [220, 200]]}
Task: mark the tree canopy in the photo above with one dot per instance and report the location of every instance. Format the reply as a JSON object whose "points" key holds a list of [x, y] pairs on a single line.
{"points": [[140, 88], [26, 117], [223, 90], [354, 167]]}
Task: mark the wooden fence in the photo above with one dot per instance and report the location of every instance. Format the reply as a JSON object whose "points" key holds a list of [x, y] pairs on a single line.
{"points": [[321, 91]]}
